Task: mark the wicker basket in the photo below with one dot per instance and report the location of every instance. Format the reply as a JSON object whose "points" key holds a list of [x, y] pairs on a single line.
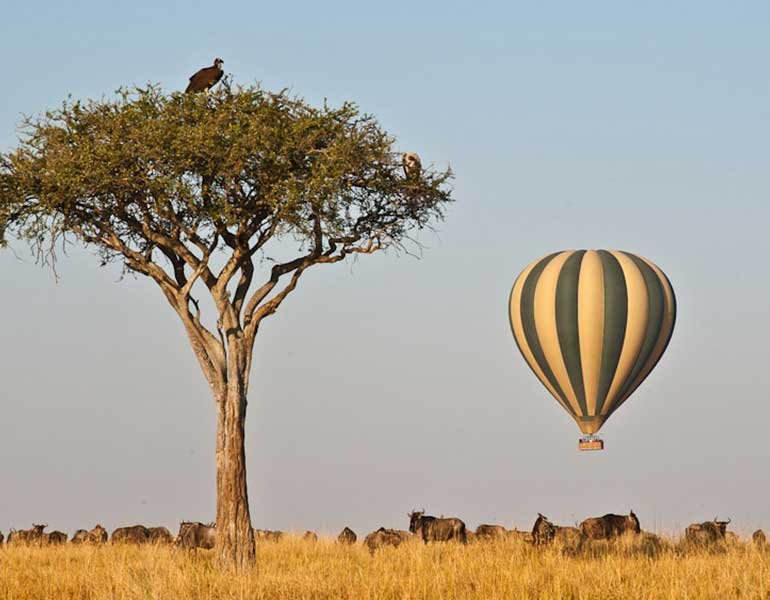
{"points": [[591, 444]]}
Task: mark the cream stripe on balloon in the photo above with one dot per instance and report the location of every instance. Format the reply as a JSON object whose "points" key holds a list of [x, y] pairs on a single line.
{"points": [[591, 324], [514, 310], [545, 323]]}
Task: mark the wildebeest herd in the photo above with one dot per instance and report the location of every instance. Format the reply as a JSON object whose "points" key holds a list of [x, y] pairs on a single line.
{"points": [[422, 527]]}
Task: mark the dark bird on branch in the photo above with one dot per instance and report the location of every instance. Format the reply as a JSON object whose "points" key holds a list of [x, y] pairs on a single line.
{"points": [[412, 165], [206, 78]]}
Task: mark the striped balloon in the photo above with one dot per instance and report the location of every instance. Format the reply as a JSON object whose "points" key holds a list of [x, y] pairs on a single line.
{"points": [[592, 324]]}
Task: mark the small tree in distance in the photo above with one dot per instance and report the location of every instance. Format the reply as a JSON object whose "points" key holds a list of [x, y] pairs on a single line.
{"points": [[192, 191]]}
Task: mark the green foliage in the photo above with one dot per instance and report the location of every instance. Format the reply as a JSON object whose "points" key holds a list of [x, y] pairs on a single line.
{"points": [[145, 171], [159, 180]]}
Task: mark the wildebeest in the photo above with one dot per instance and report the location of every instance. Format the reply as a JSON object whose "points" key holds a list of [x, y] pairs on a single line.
{"points": [[160, 535], [434, 529], [268, 535], [27, 536], [610, 526], [545, 532], [135, 534], [386, 537], [55, 538], [347, 536], [522, 536], [708, 532], [567, 535], [98, 535], [651, 542], [1, 537], [79, 537], [196, 535], [759, 538], [489, 532], [310, 536]]}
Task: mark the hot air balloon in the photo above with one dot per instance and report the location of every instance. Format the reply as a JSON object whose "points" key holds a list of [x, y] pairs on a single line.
{"points": [[592, 324]]}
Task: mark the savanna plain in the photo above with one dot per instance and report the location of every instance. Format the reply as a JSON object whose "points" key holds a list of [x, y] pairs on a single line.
{"points": [[295, 569]]}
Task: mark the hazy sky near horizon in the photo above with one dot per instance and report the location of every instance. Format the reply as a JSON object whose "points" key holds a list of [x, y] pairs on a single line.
{"points": [[395, 383]]}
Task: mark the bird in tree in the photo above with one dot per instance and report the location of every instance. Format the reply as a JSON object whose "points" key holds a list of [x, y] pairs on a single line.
{"points": [[412, 165], [195, 194], [206, 78]]}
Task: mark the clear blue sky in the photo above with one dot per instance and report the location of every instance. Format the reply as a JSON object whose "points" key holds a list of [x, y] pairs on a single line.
{"points": [[395, 383]]}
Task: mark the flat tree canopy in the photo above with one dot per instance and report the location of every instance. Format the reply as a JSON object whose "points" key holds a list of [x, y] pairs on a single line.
{"points": [[191, 190]]}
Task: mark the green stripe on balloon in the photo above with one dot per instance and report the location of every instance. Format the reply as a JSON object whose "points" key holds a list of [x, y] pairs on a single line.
{"points": [[655, 316], [615, 317], [567, 324]]}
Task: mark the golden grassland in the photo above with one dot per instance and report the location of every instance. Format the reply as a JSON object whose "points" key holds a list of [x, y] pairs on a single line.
{"points": [[293, 569]]}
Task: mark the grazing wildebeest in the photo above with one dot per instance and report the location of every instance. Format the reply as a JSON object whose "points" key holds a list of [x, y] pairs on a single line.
{"points": [[98, 535], [27, 536], [135, 534], [310, 536], [196, 535], [708, 532], [489, 532], [610, 526], [567, 535], [434, 529], [347, 536], [55, 538], [160, 535], [1, 537], [759, 538], [79, 537], [268, 535], [652, 542], [523, 536], [386, 537]]}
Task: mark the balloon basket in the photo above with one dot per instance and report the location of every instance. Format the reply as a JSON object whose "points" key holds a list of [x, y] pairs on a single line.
{"points": [[590, 443]]}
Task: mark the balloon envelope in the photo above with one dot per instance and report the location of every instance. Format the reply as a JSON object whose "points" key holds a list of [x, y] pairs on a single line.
{"points": [[592, 324]]}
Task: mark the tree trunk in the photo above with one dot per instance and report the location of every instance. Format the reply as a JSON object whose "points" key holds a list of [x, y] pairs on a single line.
{"points": [[235, 537]]}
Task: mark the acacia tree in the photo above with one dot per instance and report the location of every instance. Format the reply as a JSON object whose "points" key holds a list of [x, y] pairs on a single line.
{"points": [[192, 191]]}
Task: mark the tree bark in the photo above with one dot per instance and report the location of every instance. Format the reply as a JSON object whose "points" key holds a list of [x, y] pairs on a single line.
{"points": [[226, 368], [235, 537]]}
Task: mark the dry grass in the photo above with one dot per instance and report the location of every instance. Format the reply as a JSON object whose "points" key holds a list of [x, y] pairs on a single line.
{"points": [[293, 570]]}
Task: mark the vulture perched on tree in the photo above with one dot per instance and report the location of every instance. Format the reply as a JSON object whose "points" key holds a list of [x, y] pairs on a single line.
{"points": [[412, 165], [206, 78]]}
